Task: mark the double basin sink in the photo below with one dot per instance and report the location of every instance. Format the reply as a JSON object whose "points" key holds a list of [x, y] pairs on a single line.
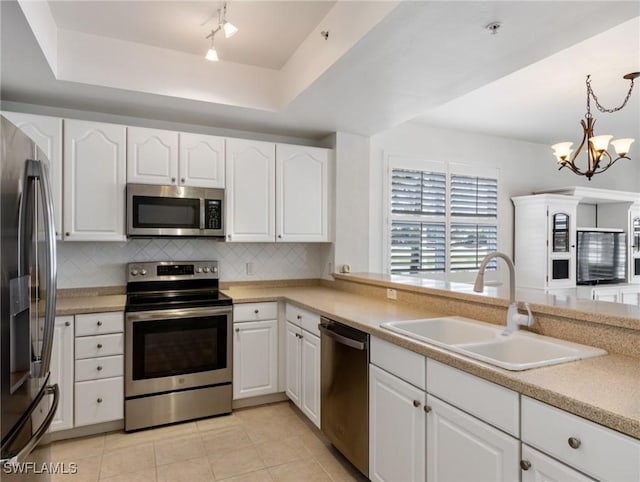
{"points": [[516, 351]]}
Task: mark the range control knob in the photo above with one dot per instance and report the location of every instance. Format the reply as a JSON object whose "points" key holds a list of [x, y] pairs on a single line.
{"points": [[134, 272], [214, 269], [206, 269], [198, 269], [143, 272]]}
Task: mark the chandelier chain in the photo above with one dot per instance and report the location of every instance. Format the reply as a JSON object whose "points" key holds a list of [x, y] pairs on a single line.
{"points": [[601, 108]]}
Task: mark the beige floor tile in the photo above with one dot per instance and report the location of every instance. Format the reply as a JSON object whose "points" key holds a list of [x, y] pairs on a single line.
{"points": [[265, 412], [301, 470], [215, 423], [317, 446], [86, 470], [145, 475], [257, 476], [68, 450], [193, 470], [225, 439], [275, 429], [129, 459], [118, 440], [229, 463], [178, 449], [338, 467], [280, 452]]}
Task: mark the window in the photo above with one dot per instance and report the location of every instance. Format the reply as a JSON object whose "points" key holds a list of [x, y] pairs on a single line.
{"points": [[442, 218]]}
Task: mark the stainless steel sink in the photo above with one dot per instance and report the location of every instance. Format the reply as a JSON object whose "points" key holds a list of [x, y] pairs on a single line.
{"points": [[486, 342]]}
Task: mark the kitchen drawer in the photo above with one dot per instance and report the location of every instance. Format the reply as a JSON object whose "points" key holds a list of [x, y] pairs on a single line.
{"points": [[102, 345], [255, 311], [97, 368], [98, 401], [492, 403], [99, 323], [304, 318], [399, 361], [600, 452]]}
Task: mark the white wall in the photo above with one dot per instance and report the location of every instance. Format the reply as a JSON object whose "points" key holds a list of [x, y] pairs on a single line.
{"points": [[524, 168]]}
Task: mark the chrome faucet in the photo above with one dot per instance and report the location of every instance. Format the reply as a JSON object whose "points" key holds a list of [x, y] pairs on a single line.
{"points": [[514, 318]]}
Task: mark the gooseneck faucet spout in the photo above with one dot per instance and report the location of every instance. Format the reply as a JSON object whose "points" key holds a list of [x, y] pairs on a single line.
{"points": [[513, 317]]}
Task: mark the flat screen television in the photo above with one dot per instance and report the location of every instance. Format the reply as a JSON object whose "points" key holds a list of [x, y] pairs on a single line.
{"points": [[601, 256]]}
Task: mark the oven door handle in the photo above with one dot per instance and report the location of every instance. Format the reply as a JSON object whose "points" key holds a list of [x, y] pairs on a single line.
{"points": [[172, 314]]}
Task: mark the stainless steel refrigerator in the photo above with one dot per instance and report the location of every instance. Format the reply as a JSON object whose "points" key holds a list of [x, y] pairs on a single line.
{"points": [[27, 297]]}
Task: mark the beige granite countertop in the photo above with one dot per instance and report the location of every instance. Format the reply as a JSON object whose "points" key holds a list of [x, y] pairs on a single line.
{"points": [[89, 304], [605, 389]]}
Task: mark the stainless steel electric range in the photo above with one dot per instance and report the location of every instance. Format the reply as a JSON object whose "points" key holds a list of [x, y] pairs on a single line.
{"points": [[178, 344]]}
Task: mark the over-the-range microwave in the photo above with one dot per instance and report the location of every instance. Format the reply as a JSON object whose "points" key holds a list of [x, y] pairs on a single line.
{"points": [[174, 211]]}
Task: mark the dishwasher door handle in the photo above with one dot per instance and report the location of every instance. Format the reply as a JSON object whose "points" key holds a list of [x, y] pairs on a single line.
{"points": [[358, 345]]}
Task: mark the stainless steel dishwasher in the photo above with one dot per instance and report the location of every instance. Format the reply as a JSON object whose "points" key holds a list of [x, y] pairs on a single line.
{"points": [[344, 391]]}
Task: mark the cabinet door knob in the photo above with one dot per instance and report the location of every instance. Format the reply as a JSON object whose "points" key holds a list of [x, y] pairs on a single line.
{"points": [[299, 317], [525, 464], [99, 345], [416, 403], [182, 180], [574, 442], [173, 179], [99, 400], [99, 323], [280, 236], [427, 408], [228, 236], [67, 323], [256, 311], [66, 234], [99, 368]]}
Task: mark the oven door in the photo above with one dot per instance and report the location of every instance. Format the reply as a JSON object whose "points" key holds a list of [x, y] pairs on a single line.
{"points": [[169, 350]]}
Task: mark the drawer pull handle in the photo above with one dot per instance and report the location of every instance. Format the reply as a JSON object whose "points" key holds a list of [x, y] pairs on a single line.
{"points": [[99, 323], [574, 442], [237, 330], [99, 368], [99, 400], [427, 408], [99, 345], [416, 403], [67, 323], [256, 311], [525, 464], [299, 317]]}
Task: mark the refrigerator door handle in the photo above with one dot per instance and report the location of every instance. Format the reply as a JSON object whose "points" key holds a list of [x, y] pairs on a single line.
{"points": [[42, 429], [38, 170]]}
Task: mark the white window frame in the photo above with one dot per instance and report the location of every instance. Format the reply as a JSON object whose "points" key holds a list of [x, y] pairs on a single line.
{"points": [[394, 161]]}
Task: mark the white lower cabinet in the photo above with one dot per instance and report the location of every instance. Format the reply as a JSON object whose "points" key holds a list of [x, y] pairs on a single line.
{"points": [[255, 358], [537, 467], [255, 349], [99, 368], [396, 428], [61, 369], [303, 361], [461, 447]]}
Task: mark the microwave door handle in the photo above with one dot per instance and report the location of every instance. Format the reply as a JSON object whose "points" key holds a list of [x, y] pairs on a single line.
{"points": [[202, 206], [38, 169]]}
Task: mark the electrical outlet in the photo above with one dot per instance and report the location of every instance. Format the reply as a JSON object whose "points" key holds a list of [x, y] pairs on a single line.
{"points": [[250, 271], [392, 294]]}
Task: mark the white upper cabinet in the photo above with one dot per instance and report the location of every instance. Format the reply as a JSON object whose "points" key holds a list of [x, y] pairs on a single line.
{"points": [[250, 191], [201, 160], [170, 158], [94, 180], [46, 132], [152, 156], [302, 194]]}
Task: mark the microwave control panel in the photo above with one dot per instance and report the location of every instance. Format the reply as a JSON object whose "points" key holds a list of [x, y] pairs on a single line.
{"points": [[213, 214]]}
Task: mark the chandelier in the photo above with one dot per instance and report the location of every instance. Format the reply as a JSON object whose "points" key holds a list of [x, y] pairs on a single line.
{"points": [[227, 27], [598, 157]]}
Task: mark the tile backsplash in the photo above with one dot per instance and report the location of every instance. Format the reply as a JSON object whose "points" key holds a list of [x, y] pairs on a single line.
{"points": [[103, 264]]}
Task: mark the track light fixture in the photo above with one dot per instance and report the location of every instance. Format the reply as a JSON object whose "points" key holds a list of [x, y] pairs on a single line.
{"points": [[223, 24]]}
